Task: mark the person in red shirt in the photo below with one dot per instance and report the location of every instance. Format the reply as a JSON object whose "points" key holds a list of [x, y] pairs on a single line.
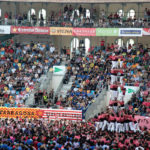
{"points": [[102, 44], [112, 46], [6, 18], [114, 91]]}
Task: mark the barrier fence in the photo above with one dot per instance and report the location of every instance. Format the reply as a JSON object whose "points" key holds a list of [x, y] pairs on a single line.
{"points": [[69, 31]]}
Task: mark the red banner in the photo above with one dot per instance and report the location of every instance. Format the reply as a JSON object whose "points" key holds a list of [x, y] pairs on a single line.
{"points": [[146, 31], [30, 30], [84, 32], [143, 121], [62, 114]]}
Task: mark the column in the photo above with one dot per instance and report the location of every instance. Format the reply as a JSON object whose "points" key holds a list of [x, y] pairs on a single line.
{"points": [[138, 12], [30, 13]]}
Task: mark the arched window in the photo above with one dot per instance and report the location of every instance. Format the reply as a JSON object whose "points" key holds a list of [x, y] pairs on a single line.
{"points": [[74, 44], [87, 45], [130, 41], [75, 12], [119, 42], [0, 13], [120, 13], [87, 13], [31, 12], [131, 14], [42, 14]]}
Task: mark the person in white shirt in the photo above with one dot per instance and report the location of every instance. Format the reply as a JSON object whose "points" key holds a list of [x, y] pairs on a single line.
{"points": [[52, 49]]}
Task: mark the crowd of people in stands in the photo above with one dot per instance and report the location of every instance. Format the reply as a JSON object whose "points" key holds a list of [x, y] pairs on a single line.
{"points": [[88, 81], [25, 134], [115, 128], [79, 17], [21, 66]]}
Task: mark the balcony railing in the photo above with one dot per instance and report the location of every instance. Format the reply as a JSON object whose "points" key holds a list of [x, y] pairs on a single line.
{"points": [[113, 23]]}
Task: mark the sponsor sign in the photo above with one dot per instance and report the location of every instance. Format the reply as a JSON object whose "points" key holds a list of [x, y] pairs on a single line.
{"points": [[19, 112], [59, 70], [62, 114], [146, 31], [60, 31], [40, 113], [129, 89], [4, 29], [84, 31], [30, 30], [143, 121], [107, 31], [130, 31]]}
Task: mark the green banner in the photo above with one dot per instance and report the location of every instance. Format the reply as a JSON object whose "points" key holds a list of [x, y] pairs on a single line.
{"points": [[107, 31]]}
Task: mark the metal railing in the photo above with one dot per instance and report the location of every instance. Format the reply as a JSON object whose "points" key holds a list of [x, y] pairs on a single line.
{"points": [[98, 106], [67, 23]]}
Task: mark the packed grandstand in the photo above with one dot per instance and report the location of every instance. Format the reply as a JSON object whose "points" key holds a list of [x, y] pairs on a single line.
{"points": [[76, 78]]}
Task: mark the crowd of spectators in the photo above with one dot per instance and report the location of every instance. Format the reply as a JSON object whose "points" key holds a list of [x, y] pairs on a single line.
{"points": [[114, 128], [25, 134], [79, 17], [21, 67], [89, 78], [93, 72]]}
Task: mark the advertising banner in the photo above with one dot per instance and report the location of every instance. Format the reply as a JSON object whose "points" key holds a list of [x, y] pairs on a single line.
{"points": [[84, 31], [130, 31], [146, 31], [62, 114], [107, 31], [129, 90], [59, 70], [60, 31], [4, 29], [40, 113], [143, 121], [30, 30], [19, 112]]}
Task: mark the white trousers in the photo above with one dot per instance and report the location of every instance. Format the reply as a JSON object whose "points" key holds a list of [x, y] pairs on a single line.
{"points": [[136, 127], [111, 127], [104, 125], [113, 79], [121, 64], [114, 94], [126, 126], [121, 97], [121, 79], [119, 127], [114, 64], [132, 127]]}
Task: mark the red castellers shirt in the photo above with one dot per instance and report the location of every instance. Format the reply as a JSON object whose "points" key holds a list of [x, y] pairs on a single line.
{"points": [[102, 43], [123, 89], [113, 87]]}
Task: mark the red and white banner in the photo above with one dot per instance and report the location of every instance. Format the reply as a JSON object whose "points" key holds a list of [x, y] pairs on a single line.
{"points": [[61, 114], [30, 30], [84, 32], [146, 31], [143, 121]]}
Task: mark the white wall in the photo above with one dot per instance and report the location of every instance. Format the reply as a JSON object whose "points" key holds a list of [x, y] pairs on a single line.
{"points": [[56, 80]]}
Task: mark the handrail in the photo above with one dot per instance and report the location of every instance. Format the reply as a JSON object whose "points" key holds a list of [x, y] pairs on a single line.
{"points": [[92, 23], [98, 101]]}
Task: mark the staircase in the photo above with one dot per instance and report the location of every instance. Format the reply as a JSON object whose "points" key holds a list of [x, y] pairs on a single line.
{"points": [[66, 87], [43, 84], [98, 106]]}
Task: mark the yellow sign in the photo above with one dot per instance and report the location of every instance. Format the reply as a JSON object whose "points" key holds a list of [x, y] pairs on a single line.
{"points": [[19, 112], [60, 31]]}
